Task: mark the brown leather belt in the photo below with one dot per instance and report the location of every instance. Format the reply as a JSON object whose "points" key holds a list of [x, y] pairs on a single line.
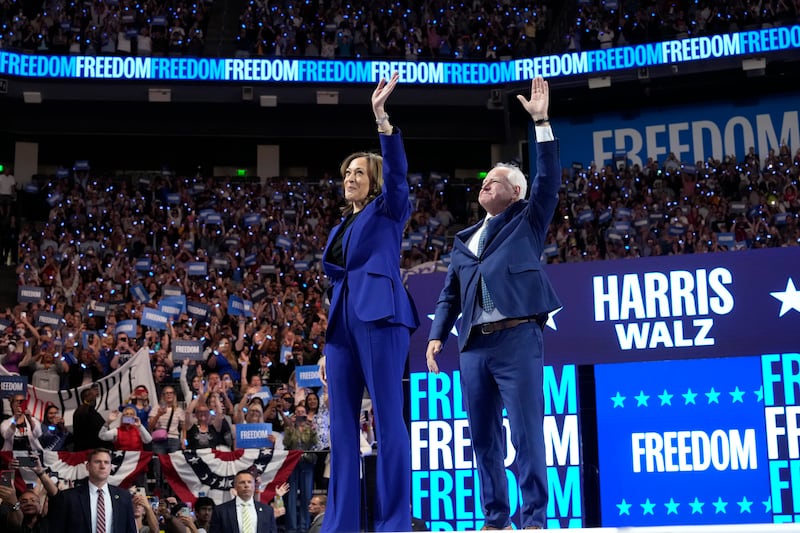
{"points": [[491, 327]]}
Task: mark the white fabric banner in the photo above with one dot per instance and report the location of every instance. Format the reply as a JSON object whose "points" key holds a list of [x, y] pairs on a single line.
{"points": [[115, 389]]}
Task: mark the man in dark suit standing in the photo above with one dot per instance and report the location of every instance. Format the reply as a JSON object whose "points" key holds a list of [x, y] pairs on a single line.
{"points": [[496, 281], [242, 514], [95, 507]]}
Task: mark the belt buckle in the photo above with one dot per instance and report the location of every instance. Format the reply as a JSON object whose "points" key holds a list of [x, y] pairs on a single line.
{"points": [[486, 328]]}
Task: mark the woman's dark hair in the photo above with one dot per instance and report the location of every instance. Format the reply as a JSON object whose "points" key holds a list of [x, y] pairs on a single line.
{"points": [[374, 171], [305, 402]]}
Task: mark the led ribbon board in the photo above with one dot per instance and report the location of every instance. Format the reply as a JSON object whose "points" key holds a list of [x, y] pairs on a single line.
{"points": [[279, 70]]}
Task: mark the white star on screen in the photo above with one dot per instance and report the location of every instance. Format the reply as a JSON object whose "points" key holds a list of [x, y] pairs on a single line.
{"points": [[453, 330], [551, 323], [790, 298]]}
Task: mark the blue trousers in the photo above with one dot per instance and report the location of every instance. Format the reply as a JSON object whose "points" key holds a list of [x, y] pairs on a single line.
{"points": [[371, 354], [505, 369], [302, 480]]}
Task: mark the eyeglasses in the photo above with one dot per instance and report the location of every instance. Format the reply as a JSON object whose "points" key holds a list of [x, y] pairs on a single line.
{"points": [[169, 392]]}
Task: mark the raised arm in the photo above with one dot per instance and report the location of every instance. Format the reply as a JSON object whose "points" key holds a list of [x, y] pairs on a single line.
{"points": [[395, 165], [538, 105], [547, 182], [47, 482], [379, 97]]}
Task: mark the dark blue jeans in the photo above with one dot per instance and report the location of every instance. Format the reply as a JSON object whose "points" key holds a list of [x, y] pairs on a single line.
{"points": [[302, 481]]}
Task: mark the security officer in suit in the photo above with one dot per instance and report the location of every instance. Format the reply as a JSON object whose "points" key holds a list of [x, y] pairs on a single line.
{"points": [[495, 280], [96, 506], [243, 514]]}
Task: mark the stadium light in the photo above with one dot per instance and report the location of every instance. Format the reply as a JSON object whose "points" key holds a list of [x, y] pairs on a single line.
{"points": [[32, 97], [328, 97], [268, 100], [600, 82], [159, 95]]}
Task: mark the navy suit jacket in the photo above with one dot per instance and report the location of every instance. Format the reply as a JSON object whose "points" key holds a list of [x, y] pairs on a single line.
{"points": [[70, 511], [223, 520], [371, 248], [510, 262]]}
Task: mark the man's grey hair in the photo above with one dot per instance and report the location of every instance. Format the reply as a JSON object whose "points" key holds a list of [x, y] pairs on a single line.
{"points": [[516, 177]]}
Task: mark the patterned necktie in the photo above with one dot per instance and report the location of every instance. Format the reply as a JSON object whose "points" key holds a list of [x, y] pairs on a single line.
{"points": [[247, 519], [486, 298], [101, 512]]}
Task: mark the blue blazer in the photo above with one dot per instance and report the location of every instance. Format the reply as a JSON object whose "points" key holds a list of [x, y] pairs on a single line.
{"points": [[371, 248], [510, 262], [223, 519], [70, 511]]}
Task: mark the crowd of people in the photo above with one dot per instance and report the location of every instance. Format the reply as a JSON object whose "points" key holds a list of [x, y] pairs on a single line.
{"points": [[601, 24], [435, 29], [482, 30], [118, 27], [479, 31], [672, 208]]}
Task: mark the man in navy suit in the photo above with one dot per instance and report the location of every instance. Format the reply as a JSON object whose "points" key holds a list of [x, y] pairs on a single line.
{"points": [[95, 507], [495, 280], [242, 514]]}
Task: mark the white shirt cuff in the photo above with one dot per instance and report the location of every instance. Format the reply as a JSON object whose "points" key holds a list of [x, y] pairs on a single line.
{"points": [[544, 133]]}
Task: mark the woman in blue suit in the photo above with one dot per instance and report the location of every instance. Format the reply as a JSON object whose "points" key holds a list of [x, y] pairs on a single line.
{"points": [[370, 321]]}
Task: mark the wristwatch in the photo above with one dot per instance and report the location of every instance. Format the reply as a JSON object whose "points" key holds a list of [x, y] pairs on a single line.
{"points": [[15, 507]]}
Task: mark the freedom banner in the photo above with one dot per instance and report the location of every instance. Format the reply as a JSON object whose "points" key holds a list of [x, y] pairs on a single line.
{"points": [[115, 389], [173, 306], [172, 290], [11, 385], [190, 472], [308, 376], [197, 310], [155, 319], [253, 435], [30, 294], [45, 318], [140, 293], [187, 350], [197, 268], [129, 327], [238, 306]]}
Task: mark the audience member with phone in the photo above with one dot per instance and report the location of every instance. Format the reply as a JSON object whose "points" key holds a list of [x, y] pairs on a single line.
{"points": [[130, 434], [21, 432], [55, 435], [32, 472]]}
